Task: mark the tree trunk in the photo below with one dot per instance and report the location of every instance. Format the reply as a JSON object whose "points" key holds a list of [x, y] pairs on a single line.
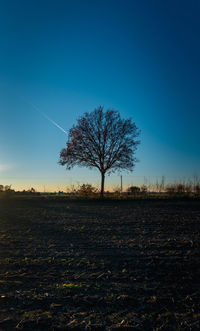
{"points": [[102, 183]]}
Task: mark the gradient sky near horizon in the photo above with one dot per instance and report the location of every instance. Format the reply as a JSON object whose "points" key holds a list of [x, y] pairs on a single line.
{"points": [[68, 57]]}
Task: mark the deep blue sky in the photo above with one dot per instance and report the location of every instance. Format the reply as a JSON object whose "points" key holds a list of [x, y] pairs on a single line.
{"points": [[68, 57]]}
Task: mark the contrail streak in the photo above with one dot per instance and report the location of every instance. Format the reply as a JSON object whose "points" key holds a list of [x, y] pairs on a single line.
{"points": [[19, 96], [53, 122], [46, 116]]}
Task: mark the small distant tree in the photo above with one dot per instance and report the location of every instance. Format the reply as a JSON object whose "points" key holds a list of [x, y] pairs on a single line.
{"points": [[101, 140], [143, 189], [32, 190], [133, 190], [170, 189], [197, 189], [86, 190], [180, 188], [7, 188]]}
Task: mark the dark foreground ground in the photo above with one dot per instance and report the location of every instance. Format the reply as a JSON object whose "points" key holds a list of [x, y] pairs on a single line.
{"points": [[129, 265]]}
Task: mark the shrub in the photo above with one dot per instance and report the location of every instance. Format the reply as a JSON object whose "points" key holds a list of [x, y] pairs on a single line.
{"points": [[197, 189], [86, 190], [133, 190], [170, 189], [143, 189]]}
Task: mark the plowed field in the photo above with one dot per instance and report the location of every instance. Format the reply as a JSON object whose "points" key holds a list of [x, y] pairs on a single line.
{"points": [[99, 265]]}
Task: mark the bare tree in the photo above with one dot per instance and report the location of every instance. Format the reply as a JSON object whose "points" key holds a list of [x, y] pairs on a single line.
{"points": [[101, 140]]}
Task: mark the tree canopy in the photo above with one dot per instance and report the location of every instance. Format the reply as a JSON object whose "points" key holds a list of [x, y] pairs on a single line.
{"points": [[101, 140]]}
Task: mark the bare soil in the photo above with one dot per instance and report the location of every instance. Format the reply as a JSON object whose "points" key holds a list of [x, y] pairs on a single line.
{"points": [[99, 265]]}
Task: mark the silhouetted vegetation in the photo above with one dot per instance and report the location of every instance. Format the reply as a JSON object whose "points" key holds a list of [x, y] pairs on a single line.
{"points": [[7, 191], [133, 190], [86, 190], [171, 190], [158, 190], [101, 140]]}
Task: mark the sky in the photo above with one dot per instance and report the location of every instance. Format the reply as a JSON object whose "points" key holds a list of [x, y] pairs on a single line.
{"points": [[66, 57]]}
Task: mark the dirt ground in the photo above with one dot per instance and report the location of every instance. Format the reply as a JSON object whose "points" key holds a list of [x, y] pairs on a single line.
{"points": [[99, 265]]}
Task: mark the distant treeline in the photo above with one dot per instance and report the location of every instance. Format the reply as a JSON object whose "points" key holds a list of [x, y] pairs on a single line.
{"points": [[88, 190], [7, 190]]}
